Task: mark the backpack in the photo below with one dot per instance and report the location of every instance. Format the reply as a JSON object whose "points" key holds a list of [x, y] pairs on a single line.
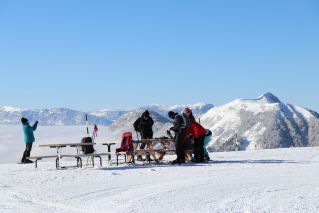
{"points": [[87, 149], [126, 143]]}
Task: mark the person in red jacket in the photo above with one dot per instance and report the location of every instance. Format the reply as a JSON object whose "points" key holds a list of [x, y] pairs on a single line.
{"points": [[198, 132]]}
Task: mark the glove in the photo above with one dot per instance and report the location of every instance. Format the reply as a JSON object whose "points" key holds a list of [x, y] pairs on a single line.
{"points": [[172, 128], [37, 122]]}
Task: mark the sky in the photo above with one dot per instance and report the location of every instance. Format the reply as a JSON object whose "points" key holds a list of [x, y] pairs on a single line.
{"points": [[90, 55]]}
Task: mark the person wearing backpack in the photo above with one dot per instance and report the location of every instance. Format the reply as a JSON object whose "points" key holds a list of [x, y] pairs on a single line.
{"points": [[198, 132], [28, 139], [181, 124], [144, 125]]}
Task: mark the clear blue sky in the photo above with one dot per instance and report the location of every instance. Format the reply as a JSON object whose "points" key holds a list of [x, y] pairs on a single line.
{"points": [[89, 55]]}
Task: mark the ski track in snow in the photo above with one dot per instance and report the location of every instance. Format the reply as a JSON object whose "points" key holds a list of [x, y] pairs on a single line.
{"points": [[282, 180]]}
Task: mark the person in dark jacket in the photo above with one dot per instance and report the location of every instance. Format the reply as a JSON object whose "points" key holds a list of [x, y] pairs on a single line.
{"points": [[144, 125], [28, 139], [198, 132], [180, 127]]}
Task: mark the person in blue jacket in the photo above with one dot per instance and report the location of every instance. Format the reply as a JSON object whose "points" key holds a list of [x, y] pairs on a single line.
{"points": [[208, 138], [28, 139]]}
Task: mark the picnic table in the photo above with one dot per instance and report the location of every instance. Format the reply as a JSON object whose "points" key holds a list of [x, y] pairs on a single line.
{"points": [[168, 147], [78, 154]]}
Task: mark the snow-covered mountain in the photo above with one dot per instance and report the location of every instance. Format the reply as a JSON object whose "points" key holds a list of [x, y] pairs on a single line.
{"points": [[198, 109], [125, 124], [261, 123], [63, 116], [112, 115], [54, 116]]}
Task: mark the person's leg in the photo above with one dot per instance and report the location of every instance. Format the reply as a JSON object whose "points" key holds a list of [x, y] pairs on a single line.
{"points": [[24, 156], [142, 147], [26, 153], [196, 149], [206, 154], [180, 147], [205, 148], [29, 149], [201, 148]]}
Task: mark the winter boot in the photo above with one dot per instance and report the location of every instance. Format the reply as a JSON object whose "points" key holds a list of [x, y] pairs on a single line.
{"points": [[148, 158], [139, 158]]}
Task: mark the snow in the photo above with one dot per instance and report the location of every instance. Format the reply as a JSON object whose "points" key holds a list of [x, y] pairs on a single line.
{"points": [[281, 180], [277, 180]]}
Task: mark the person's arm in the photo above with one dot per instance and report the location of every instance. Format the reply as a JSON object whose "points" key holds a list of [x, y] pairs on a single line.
{"points": [[152, 122], [177, 124], [35, 125], [137, 124]]}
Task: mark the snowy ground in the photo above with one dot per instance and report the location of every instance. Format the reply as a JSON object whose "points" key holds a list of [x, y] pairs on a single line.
{"points": [[282, 180]]}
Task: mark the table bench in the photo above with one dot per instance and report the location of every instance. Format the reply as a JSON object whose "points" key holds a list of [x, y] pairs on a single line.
{"points": [[78, 157]]}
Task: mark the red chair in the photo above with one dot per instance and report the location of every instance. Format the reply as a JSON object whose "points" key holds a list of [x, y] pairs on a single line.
{"points": [[126, 149]]}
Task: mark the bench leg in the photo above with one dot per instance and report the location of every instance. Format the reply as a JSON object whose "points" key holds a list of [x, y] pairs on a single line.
{"points": [[57, 163], [97, 156], [36, 162], [117, 159], [100, 161], [92, 161], [80, 162]]}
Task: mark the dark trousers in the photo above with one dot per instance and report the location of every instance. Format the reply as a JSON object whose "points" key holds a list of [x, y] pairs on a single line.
{"points": [[180, 146], [199, 148], [145, 136], [27, 152]]}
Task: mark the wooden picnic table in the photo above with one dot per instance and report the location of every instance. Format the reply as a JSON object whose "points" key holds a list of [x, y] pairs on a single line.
{"points": [[166, 142]]}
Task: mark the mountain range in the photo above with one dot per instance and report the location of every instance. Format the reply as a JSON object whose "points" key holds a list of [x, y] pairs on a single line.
{"points": [[242, 124], [64, 116]]}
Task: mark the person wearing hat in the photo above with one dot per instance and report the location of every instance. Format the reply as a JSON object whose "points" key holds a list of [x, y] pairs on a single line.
{"points": [[180, 127], [198, 132], [28, 139], [144, 125]]}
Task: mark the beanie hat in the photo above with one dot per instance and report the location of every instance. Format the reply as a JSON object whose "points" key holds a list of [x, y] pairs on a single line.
{"points": [[187, 110], [171, 114], [24, 121]]}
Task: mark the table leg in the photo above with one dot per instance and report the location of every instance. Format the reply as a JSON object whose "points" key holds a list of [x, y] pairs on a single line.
{"points": [[109, 150]]}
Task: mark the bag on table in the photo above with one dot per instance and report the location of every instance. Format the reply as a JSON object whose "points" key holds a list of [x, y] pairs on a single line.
{"points": [[87, 149]]}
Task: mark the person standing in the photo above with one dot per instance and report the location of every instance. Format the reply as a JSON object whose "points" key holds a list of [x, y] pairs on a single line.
{"points": [[144, 125], [181, 124], [198, 132], [28, 139]]}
